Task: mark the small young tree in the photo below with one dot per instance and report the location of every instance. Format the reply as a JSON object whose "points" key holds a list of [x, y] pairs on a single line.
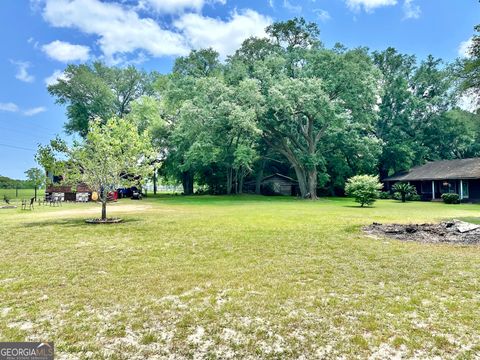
{"points": [[364, 188], [112, 155], [404, 190], [36, 177]]}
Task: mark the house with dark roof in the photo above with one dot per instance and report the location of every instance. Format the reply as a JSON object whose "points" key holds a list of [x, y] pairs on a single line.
{"points": [[461, 176]]}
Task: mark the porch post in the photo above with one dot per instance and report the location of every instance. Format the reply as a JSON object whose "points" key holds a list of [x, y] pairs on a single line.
{"points": [[433, 189], [461, 189]]}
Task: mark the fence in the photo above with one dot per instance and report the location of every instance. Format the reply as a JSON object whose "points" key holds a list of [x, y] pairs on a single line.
{"points": [[20, 193]]}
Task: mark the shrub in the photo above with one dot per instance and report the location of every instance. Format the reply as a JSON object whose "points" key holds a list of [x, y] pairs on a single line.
{"points": [[416, 197], [384, 195], [408, 197], [365, 189], [451, 198], [404, 191]]}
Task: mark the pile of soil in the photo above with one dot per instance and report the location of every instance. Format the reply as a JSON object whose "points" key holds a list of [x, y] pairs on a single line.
{"points": [[455, 232]]}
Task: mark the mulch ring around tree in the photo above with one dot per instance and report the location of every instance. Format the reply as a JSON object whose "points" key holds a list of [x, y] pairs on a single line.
{"points": [[452, 232], [105, 221]]}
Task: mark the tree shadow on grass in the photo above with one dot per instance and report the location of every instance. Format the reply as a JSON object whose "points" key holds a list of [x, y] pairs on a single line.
{"points": [[359, 207], [73, 222]]}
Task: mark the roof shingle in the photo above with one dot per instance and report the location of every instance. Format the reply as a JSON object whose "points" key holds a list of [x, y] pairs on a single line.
{"points": [[441, 170]]}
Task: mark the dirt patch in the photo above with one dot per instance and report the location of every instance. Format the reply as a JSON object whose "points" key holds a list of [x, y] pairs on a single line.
{"points": [[454, 232], [113, 208]]}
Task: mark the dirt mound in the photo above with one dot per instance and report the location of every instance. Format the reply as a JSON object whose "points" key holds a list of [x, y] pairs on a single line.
{"points": [[455, 232]]}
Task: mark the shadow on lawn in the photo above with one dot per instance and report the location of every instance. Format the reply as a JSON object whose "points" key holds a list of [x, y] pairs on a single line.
{"points": [[74, 222], [359, 207]]}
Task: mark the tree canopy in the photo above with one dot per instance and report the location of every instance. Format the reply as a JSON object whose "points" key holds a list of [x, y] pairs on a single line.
{"points": [[284, 103]]}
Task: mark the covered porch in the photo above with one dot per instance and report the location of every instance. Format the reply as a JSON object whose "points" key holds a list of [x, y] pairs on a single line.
{"points": [[433, 189]]}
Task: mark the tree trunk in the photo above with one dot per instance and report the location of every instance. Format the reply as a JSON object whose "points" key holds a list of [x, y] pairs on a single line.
{"points": [[155, 182], [240, 182], [382, 172], [235, 181], [187, 182], [312, 183], [259, 177], [229, 180], [104, 209], [302, 181], [35, 193]]}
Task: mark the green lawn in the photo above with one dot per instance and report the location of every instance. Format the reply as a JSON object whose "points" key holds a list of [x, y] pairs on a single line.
{"points": [[19, 194], [237, 277]]}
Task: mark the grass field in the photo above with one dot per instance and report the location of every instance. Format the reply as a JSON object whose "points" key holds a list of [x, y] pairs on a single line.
{"points": [[20, 193], [237, 277]]}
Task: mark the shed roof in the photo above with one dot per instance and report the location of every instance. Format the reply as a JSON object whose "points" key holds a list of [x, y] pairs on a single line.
{"points": [[441, 170], [276, 175]]}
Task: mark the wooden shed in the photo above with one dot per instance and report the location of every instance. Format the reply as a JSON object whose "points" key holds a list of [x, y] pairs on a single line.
{"points": [[275, 184]]}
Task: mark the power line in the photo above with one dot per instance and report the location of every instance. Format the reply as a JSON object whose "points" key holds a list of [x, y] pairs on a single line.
{"points": [[25, 132], [41, 127], [16, 147]]}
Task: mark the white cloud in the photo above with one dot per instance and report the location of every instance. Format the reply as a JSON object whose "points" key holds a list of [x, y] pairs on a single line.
{"points": [[323, 15], [66, 52], [176, 6], [34, 111], [10, 107], [369, 5], [22, 71], [271, 3], [120, 29], [53, 79], [14, 108], [223, 36], [410, 10], [123, 32], [464, 48], [297, 9]]}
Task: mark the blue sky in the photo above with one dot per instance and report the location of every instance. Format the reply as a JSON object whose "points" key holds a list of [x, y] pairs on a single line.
{"points": [[39, 37]]}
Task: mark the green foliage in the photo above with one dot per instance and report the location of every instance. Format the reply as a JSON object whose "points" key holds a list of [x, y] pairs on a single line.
{"points": [[8, 183], [412, 126], [470, 69], [295, 33], [363, 188], [281, 103], [98, 92], [112, 155], [451, 198], [35, 176], [384, 195], [404, 191]]}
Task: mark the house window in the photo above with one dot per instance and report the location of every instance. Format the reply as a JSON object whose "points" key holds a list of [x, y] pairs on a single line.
{"points": [[447, 187]]}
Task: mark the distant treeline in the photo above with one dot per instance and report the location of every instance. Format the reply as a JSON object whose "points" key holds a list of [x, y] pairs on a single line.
{"points": [[8, 183]]}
